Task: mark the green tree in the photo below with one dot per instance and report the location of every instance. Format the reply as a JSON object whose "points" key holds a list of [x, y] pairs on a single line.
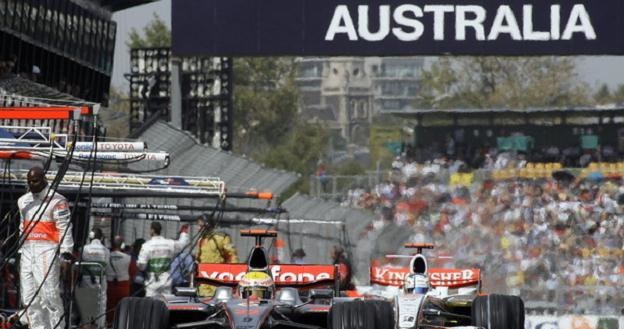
{"points": [[509, 82], [603, 95], [299, 151], [267, 126], [618, 94], [349, 168], [116, 117], [265, 103], [155, 34]]}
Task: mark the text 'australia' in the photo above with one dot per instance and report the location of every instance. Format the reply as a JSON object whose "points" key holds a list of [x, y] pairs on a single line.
{"points": [[410, 22]]}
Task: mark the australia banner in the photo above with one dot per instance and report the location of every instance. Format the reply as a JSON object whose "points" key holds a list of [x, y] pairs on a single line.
{"points": [[397, 27]]}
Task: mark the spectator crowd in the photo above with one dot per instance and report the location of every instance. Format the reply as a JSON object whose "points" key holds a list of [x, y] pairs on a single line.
{"points": [[557, 240]]}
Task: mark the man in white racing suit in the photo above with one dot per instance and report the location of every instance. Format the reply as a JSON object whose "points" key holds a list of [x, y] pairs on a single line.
{"points": [[156, 256], [95, 276], [44, 226]]}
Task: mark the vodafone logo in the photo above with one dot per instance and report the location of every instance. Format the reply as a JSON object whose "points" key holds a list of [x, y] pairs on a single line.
{"points": [[222, 276], [276, 273], [297, 277]]}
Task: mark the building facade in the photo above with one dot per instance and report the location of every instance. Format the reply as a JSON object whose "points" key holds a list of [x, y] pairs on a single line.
{"points": [[346, 93], [67, 45]]}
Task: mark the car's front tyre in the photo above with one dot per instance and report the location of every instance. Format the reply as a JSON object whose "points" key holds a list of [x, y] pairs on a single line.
{"points": [[141, 313], [361, 314], [498, 312]]}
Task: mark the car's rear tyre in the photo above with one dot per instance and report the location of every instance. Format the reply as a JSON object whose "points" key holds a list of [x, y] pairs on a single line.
{"points": [[359, 314], [498, 312], [141, 313]]}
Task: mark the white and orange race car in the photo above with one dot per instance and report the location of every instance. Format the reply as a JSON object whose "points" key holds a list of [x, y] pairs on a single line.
{"points": [[426, 297]]}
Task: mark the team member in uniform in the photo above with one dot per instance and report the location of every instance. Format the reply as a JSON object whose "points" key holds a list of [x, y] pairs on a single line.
{"points": [[118, 276], [45, 224], [95, 276], [214, 247], [156, 256]]}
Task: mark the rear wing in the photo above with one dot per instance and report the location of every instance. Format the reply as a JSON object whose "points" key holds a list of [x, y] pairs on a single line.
{"points": [[438, 277], [284, 275]]}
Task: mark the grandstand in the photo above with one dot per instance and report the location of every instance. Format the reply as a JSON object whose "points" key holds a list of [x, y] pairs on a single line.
{"points": [[542, 134], [543, 232], [547, 226]]}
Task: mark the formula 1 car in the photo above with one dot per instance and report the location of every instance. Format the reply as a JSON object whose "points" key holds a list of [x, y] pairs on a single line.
{"points": [[445, 298], [298, 298]]}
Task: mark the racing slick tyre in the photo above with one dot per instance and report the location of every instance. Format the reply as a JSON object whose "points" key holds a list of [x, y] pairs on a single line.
{"points": [[384, 314], [141, 313], [498, 312], [361, 314]]}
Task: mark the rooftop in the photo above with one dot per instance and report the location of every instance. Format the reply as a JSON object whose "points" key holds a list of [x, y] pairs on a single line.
{"points": [[117, 5], [551, 110]]}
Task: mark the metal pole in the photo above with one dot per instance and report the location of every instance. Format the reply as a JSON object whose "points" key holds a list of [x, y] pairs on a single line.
{"points": [[176, 93]]}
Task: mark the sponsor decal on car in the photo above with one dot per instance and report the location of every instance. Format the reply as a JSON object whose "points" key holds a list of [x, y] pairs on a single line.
{"points": [[438, 277], [282, 274]]}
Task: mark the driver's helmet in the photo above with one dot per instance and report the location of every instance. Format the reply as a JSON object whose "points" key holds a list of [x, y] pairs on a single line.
{"points": [[256, 284], [416, 284]]}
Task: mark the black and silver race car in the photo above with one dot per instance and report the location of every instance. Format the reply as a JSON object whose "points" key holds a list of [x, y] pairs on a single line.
{"points": [[306, 297]]}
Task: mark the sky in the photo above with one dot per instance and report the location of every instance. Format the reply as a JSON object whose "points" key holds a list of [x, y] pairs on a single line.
{"points": [[594, 70]]}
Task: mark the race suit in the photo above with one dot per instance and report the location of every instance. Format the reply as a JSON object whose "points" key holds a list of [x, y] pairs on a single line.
{"points": [[95, 276], [215, 248], [49, 218], [155, 257], [118, 280]]}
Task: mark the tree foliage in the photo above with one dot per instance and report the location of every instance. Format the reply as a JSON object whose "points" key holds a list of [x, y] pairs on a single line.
{"points": [[603, 95], [265, 102], [349, 168], [510, 82], [267, 127], [299, 151], [155, 34], [115, 118], [618, 94]]}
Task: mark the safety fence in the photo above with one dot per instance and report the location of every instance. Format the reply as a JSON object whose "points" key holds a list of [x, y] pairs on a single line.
{"points": [[335, 187]]}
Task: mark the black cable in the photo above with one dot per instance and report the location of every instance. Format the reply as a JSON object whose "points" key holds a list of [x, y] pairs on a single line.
{"points": [[44, 205], [57, 180], [46, 166], [11, 213], [74, 283], [6, 164], [52, 263], [194, 238], [192, 241], [53, 186]]}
